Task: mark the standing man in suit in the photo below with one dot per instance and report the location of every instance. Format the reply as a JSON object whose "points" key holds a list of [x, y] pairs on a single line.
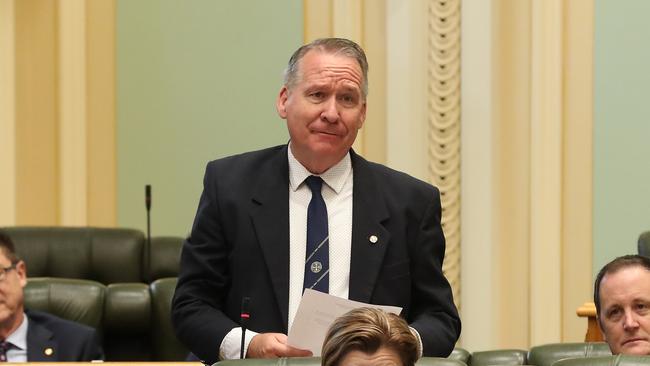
{"points": [[311, 214], [34, 336]]}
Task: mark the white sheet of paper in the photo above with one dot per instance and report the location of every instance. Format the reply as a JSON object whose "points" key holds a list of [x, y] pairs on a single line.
{"points": [[316, 313]]}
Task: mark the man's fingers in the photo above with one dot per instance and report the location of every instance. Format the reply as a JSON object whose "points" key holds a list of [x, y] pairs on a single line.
{"points": [[273, 345], [295, 352]]}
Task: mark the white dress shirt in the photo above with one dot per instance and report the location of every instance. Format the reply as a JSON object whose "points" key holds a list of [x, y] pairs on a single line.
{"points": [[18, 339]]}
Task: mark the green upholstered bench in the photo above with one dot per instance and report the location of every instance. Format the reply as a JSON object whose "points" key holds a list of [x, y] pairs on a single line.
{"points": [[315, 361], [498, 357], [546, 355], [619, 360], [460, 354]]}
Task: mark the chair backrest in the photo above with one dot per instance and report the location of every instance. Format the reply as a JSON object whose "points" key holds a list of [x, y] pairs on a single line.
{"points": [[499, 357], [164, 257], [622, 360], [106, 255], [165, 345], [460, 354], [545, 355], [73, 299], [127, 322], [315, 361], [643, 245]]}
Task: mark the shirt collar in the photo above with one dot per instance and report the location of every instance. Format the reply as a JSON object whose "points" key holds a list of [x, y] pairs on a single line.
{"points": [[19, 337], [334, 177]]}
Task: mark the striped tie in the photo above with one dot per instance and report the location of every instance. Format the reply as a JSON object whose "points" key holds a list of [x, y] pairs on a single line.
{"points": [[317, 265], [4, 347]]}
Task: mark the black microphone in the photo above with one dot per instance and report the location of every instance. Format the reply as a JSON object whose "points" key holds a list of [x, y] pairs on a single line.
{"points": [[147, 203], [243, 320], [147, 196]]}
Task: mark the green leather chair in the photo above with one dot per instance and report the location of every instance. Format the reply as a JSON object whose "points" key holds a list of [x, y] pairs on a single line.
{"points": [[164, 257], [127, 322], [132, 315], [621, 360], [644, 244], [98, 254], [106, 255], [78, 300], [545, 355], [499, 357], [164, 342], [315, 361], [460, 354]]}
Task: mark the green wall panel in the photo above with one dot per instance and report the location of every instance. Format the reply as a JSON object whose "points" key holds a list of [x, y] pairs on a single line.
{"points": [[621, 127], [196, 80]]}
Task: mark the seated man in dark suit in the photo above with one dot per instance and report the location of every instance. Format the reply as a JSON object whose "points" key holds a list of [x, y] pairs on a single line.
{"points": [[28, 335], [369, 337], [622, 298]]}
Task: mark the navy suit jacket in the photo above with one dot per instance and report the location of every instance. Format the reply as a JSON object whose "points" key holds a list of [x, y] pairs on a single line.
{"points": [[52, 339], [239, 247]]}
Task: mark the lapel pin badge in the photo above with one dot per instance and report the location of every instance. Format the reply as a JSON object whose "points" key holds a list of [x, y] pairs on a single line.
{"points": [[373, 239], [48, 351]]}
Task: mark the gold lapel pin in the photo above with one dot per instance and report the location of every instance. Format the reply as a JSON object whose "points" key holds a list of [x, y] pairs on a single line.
{"points": [[48, 351], [373, 239]]}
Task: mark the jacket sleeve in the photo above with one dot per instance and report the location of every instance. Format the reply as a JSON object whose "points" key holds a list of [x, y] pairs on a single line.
{"points": [[433, 313], [198, 313]]}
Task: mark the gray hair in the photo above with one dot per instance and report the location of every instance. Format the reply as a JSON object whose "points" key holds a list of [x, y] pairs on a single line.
{"points": [[339, 46]]}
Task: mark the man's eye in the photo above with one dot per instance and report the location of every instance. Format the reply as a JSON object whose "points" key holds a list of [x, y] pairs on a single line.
{"points": [[347, 99], [317, 95], [614, 314], [642, 306]]}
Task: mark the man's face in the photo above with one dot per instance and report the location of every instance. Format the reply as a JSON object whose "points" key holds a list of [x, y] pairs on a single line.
{"points": [[383, 357], [324, 109], [625, 310], [11, 290]]}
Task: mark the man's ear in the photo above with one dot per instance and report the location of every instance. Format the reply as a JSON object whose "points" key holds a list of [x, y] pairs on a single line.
{"points": [[600, 327], [281, 102], [363, 115], [21, 271]]}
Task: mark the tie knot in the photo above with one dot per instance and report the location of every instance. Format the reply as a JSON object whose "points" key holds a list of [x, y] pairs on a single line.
{"points": [[5, 346], [315, 183]]}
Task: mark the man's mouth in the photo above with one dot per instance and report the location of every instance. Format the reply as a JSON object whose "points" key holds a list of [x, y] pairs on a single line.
{"points": [[325, 133], [632, 340]]}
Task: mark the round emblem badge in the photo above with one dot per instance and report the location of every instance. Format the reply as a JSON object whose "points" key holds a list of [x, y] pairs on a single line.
{"points": [[316, 267]]}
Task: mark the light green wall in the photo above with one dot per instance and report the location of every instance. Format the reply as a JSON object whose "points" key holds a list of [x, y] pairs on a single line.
{"points": [[621, 127], [196, 80]]}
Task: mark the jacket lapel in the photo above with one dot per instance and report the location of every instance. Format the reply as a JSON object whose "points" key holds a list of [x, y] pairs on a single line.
{"points": [[270, 218], [369, 236], [41, 347]]}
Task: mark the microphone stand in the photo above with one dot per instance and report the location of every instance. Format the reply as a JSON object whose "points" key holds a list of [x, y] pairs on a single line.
{"points": [[147, 202], [243, 320]]}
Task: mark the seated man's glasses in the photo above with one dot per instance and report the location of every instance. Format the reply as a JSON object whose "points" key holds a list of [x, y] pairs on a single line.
{"points": [[3, 271]]}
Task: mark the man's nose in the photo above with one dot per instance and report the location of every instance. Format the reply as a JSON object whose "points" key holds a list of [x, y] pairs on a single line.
{"points": [[630, 321], [330, 111]]}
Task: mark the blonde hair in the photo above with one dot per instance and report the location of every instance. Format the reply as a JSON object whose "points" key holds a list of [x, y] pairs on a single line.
{"points": [[367, 330]]}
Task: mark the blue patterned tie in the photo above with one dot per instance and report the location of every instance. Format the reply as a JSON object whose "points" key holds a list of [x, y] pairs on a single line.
{"points": [[4, 347], [317, 263]]}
